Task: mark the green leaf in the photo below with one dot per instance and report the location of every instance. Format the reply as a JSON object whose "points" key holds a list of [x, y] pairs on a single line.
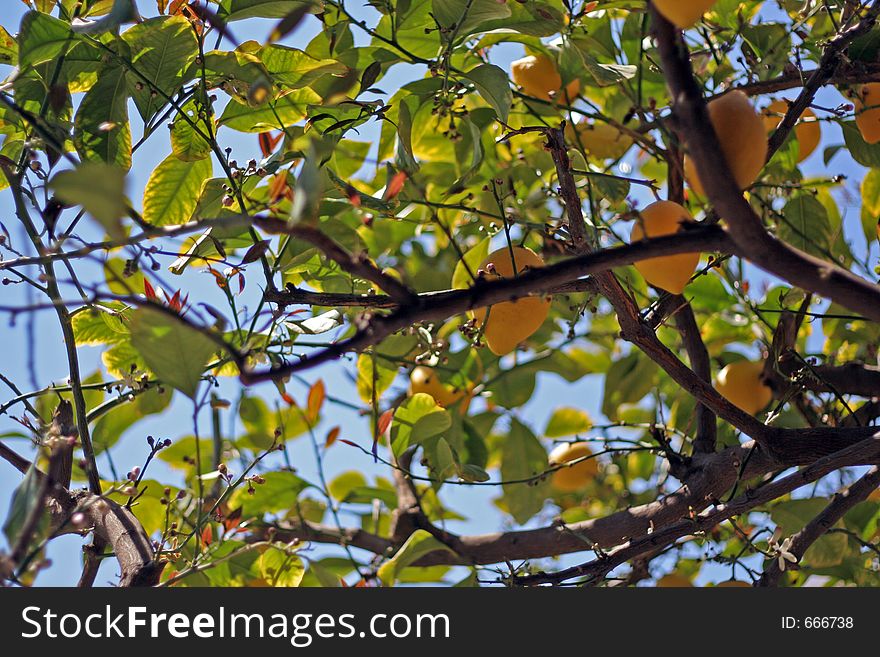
{"points": [[324, 576], [604, 74], [99, 189], [523, 457], [567, 422], [628, 380], [162, 49], [280, 567], [870, 212], [473, 258], [865, 154], [173, 189], [493, 85], [25, 500], [8, 48], [466, 16], [791, 516], [514, 387], [111, 426], [261, 423], [187, 143], [419, 544], [308, 192], [100, 324], [279, 493], [417, 419], [272, 115], [804, 224], [101, 129], [176, 352], [236, 10], [42, 38], [293, 68], [345, 483]]}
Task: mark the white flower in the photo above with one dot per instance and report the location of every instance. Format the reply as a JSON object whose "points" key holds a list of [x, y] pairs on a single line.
{"points": [[783, 553]]}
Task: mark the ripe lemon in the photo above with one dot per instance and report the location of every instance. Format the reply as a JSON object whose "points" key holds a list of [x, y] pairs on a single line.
{"points": [[740, 382], [575, 477], [511, 322], [867, 104], [807, 129], [674, 581], [683, 13], [742, 136], [670, 273], [425, 379], [601, 140], [733, 584], [538, 77]]}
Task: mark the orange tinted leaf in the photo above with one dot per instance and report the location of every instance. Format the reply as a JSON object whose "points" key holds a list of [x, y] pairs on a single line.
{"points": [[332, 435], [268, 142], [395, 185], [207, 535], [385, 420], [317, 393], [279, 188], [232, 519]]}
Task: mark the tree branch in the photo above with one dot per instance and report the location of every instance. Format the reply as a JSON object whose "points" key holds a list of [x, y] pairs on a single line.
{"points": [[840, 504], [745, 227], [596, 570], [487, 292]]}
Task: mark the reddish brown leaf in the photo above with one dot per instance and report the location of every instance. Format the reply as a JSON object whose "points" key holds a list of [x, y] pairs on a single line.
{"points": [[279, 188], [207, 535], [332, 435], [385, 420], [232, 519], [255, 252], [395, 185], [149, 291], [268, 142]]}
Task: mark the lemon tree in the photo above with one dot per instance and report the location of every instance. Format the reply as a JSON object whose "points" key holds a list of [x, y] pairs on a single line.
{"points": [[287, 282]]}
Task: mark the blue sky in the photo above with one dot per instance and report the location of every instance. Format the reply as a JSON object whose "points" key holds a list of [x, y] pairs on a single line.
{"points": [[475, 503]]}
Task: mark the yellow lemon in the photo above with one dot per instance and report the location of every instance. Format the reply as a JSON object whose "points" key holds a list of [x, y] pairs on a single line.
{"points": [[539, 77], [670, 273], [740, 382], [575, 477], [511, 322], [600, 140], [867, 104], [683, 13], [674, 581], [742, 136], [807, 129], [425, 379]]}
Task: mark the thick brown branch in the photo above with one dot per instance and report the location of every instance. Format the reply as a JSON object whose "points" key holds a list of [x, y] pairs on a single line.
{"points": [[745, 227], [484, 293], [698, 356], [292, 296], [355, 264], [595, 570], [712, 475], [813, 531]]}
